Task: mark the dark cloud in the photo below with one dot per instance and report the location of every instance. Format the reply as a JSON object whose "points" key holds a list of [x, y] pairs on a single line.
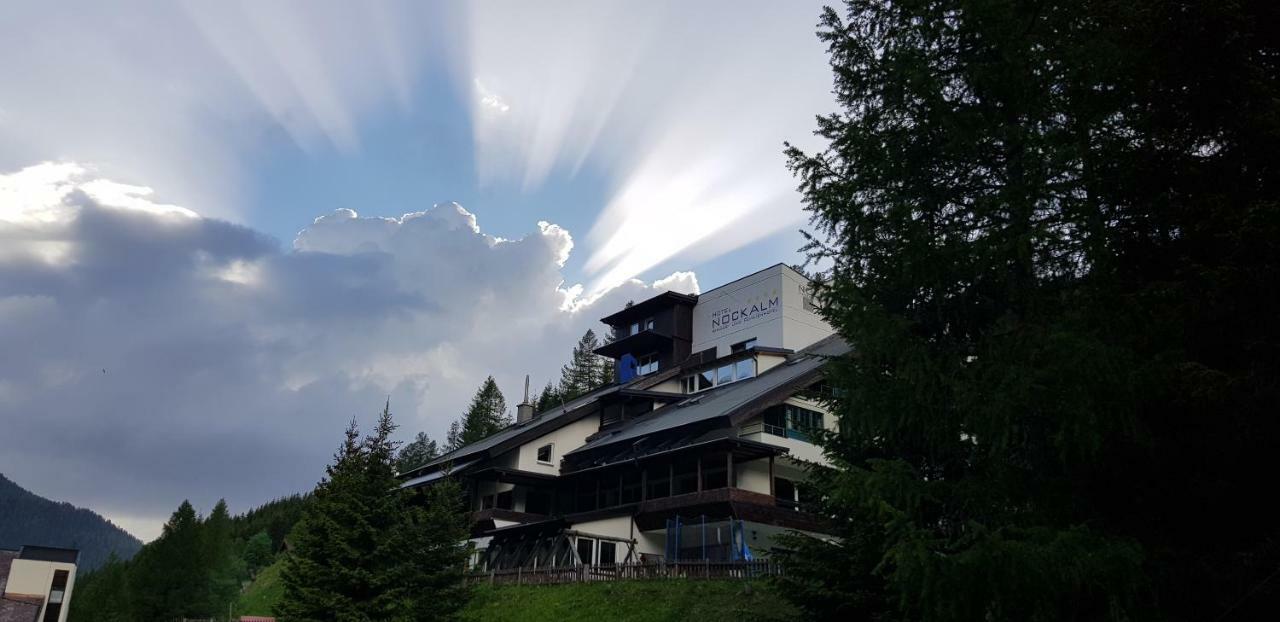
{"points": [[147, 356]]}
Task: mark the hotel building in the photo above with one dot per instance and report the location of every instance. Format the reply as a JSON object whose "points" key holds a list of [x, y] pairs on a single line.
{"points": [[694, 453]]}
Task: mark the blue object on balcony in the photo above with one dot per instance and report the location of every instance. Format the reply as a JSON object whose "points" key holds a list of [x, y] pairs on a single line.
{"points": [[627, 366]]}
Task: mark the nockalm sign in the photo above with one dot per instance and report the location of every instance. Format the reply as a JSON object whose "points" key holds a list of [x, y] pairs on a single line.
{"points": [[739, 316]]}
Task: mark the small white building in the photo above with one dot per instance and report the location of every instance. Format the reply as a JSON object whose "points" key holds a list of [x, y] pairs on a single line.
{"points": [[36, 583], [695, 453]]}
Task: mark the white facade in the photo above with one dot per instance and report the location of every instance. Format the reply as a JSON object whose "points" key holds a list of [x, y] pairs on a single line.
{"points": [[771, 306], [32, 580]]}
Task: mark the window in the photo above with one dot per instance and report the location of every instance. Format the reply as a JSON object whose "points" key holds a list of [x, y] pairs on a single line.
{"points": [[586, 551], [706, 380], [743, 346], [505, 500], [544, 454], [659, 482], [746, 368], [608, 552], [784, 490], [724, 375], [610, 415], [631, 487], [686, 477], [648, 324], [792, 422], [486, 502], [635, 328], [689, 384], [57, 590], [715, 471], [647, 364]]}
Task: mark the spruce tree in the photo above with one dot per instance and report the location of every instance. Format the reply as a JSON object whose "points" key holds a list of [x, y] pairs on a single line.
{"points": [[421, 450], [486, 415], [1050, 231], [547, 399], [223, 566], [173, 570], [585, 371], [362, 552], [330, 573]]}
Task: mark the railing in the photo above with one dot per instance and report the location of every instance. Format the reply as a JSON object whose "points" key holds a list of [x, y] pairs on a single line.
{"points": [[692, 569]]}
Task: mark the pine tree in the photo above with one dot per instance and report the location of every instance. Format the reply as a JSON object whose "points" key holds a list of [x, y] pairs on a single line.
{"points": [[549, 398], [174, 571], [486, 415], [222, 566], [329, 574], [454, 439], [421, 450], [104, 595], [585, 371], [363, 553], [431, 549], [1051, 242]]}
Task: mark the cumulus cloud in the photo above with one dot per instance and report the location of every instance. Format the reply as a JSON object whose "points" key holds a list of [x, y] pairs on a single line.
{"points": [[159, 355]]}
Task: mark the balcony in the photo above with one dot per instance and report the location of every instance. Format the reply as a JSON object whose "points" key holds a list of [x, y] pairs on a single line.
{"points": [[643, 342]]}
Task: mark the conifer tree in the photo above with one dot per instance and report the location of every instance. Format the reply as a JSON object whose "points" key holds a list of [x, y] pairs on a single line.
{"points": [[585, 371], [174, 571], [421, 450], [222, 566], [547, 399], [362, 552], [329, 574], [486, 415], [1050, 234]]}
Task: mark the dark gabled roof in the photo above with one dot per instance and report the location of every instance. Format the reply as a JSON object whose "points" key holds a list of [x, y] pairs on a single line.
{"points": [[691, 437], [645, 307], [547, 421], [49, 554], [728, 400]]}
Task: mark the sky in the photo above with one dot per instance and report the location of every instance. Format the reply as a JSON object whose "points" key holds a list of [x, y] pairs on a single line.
{"points": [[226, 229]]}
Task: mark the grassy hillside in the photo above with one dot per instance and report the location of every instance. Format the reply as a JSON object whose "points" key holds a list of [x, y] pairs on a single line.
{"points": [[638, 601], [262, 594], [631, 601]]}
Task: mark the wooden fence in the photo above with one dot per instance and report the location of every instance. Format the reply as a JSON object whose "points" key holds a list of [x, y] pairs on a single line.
{"points": [[628, 571]]}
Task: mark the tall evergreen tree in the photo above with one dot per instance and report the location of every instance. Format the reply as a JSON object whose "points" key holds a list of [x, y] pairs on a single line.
{"points": [[1051, 231], [223, 565], [173, 571], [421, 450], [585, 370], [329, 573], [486, 415], [104, 595], [548, 398], [361, 549]]}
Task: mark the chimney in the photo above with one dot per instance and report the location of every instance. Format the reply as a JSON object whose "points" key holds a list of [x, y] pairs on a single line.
{"points": [[524, 410]]}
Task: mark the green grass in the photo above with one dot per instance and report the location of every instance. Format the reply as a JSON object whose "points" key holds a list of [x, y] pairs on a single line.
{"points": [[639, 601], [656, 600], [263, 593]]}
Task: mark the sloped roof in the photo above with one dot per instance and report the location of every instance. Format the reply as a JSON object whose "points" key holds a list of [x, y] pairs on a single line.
{"points": [[547, 420], [725, 400]]}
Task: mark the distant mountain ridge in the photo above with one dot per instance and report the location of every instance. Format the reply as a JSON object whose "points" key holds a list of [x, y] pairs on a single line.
{"points": [[28, 518]]}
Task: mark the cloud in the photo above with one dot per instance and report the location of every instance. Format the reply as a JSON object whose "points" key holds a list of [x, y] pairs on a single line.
{"points": [[161, 355], [683, 107]]}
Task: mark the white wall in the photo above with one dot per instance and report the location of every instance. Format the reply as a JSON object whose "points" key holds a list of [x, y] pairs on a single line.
{"points": [[768, 306], [563, 441], [33, 577]]}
